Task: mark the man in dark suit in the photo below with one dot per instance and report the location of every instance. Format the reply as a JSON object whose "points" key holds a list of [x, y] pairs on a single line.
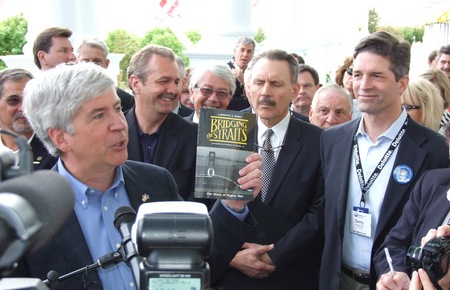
{"points": [[179, 108], [426, 209], [156, 135], [243, 53], [290, 213], [12, 118], [91, 142], [95, 50], [371, 164]]}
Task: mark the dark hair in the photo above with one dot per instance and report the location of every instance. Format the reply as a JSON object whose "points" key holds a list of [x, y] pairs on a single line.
{"points": [[307, 68], [281, 55], [13, 74], [444, 50], [44, 41], [432, 56], [299, 59], [340, 72], [398, 53]]}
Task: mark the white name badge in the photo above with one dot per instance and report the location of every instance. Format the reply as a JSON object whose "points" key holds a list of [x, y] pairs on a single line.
{"points": [[361, 222]]}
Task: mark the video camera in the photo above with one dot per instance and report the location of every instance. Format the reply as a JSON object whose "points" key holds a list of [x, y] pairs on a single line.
{"points": [[33, 206], [433, 257]]}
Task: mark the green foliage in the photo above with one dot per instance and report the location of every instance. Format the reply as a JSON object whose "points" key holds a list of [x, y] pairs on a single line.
{"points": [[413, 34], [260, 36], [410, 34], [373, 20], [165, 37], [122, 41], [193, 36], [12, 36]]}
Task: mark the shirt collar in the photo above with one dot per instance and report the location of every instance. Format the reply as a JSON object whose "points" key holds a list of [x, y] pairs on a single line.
{"points": [[81, 189], [390, 133], [279, 129]]}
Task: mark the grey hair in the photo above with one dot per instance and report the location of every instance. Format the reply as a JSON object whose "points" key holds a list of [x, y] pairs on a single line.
{"points": [[220, 70], [94, 42], [54, 99], [181, 67], [333, 88], [278, 55], [13, 74], [244, 40], [139, 61]]}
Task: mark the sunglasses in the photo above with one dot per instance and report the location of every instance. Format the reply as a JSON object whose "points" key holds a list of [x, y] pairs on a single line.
{"points": [[207, 92], [410, 107], [349, 70]]}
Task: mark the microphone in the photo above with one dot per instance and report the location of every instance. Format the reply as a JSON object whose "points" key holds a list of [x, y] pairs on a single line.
{"points": [[33, 208], [123, 221]]}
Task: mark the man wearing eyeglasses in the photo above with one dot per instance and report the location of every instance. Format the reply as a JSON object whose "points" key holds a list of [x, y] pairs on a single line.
{"points": [[12, 118], [289, 207], [211, 86], [308, 78]]}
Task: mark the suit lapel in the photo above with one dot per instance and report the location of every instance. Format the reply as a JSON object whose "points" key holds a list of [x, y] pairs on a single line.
{"points": [[438, 210], [134, 144], [167, 144], [344, 146], [292, 146], [409, 153]]}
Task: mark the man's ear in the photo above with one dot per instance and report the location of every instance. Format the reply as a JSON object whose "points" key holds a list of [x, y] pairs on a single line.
{"points": [[134, 84], [59, 138], [41, 56]]}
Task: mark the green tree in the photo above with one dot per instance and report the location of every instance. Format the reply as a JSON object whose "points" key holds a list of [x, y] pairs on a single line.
{"points": [[193, 36], [165, 37], [410, 34], [260, 36], [12, 36], [122, 41], [373, 20]]}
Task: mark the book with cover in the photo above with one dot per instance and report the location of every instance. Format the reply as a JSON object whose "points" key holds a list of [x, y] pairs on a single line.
{"points": [[225, 139]]}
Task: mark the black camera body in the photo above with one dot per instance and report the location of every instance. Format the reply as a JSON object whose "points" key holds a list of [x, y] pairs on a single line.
{"points": [[433, 257], [174, 244]]}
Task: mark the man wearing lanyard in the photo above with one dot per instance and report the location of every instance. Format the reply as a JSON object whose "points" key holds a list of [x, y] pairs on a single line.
{"points": [[371, 164]]}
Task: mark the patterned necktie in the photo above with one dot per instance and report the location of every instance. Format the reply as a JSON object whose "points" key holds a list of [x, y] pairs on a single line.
{"points": [[268, 163]]}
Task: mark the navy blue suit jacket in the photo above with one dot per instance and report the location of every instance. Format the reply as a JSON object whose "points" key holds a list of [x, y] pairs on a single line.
{"points": [[176, 149], [68, 250], [41, 158], [291, 216], [426, 209], [421, 149]]}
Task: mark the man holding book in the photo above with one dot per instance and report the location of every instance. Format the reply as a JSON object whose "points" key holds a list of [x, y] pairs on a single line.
{"points": [[289, 209]]}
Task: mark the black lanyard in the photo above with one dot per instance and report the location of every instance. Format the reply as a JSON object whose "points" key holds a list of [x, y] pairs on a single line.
{"points": [[359, 171]]}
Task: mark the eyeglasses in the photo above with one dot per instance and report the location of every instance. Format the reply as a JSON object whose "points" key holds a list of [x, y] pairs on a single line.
{"points": [[349, 70], [410, 107], [14, 101], [207, 92]]}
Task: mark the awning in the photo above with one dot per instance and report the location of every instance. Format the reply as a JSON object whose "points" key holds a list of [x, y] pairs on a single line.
{"points": [[444, 18]]}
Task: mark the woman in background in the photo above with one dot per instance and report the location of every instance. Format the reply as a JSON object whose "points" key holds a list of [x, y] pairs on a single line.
{"points": [[423, 103]]}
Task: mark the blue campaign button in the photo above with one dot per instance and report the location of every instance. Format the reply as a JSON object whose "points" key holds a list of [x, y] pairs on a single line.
{"points": [[403, 174]]}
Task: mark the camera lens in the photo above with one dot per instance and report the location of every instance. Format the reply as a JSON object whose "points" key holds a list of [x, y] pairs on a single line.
{"points": [[414, 257]]}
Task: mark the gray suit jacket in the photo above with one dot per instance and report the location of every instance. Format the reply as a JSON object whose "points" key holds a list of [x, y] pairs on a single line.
{"points": [[420, 148]]}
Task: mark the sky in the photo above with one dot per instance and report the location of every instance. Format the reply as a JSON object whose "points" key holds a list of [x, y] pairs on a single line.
{"points": [[391, 12]]}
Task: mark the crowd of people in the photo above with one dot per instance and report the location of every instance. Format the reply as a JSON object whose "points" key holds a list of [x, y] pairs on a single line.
{"points": [[340, 171]]}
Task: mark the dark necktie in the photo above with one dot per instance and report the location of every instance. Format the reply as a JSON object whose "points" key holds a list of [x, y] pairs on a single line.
{"points": [[268, 163]]}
